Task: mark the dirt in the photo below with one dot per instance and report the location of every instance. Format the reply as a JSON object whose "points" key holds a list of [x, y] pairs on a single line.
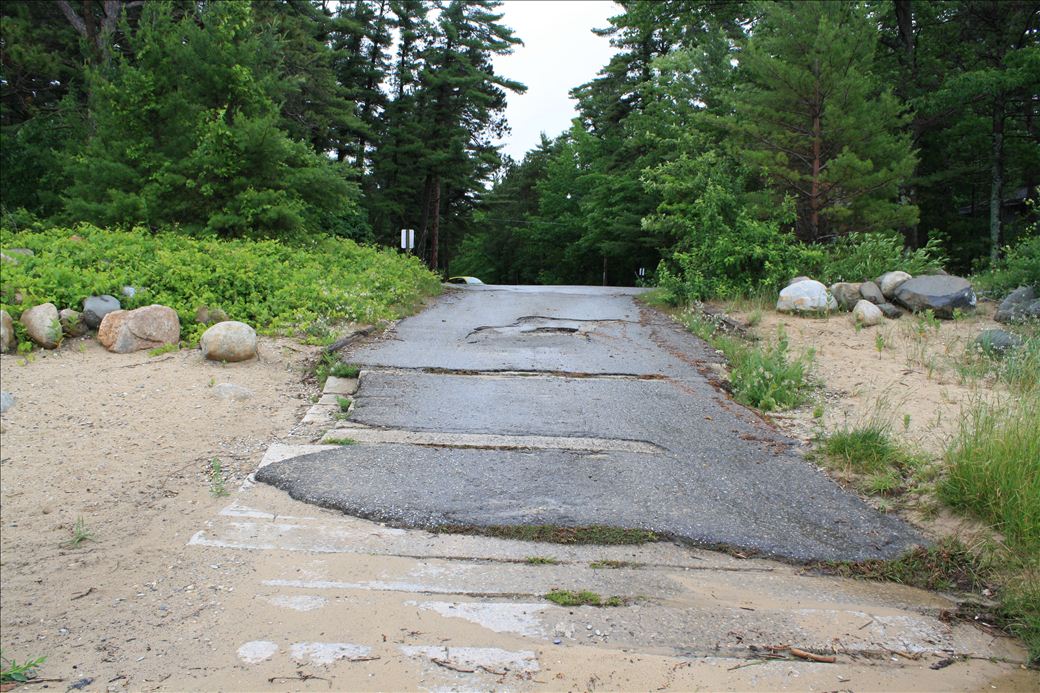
{"points": [[125, 443]]}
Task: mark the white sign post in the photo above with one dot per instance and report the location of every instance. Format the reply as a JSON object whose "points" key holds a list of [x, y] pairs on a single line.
{"points": [[407, 239]]}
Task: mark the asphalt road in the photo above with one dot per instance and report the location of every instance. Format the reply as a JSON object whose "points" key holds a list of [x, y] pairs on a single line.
{"points": [[529, 365]]}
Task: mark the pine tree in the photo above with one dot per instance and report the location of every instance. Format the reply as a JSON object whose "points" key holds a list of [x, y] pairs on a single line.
{"points": [[813, 119]]}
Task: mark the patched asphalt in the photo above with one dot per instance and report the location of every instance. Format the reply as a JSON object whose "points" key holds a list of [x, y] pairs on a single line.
{"points": [[577, 362]]}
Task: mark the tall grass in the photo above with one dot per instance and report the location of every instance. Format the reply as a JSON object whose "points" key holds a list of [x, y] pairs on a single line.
{"points": [[994, 469]]}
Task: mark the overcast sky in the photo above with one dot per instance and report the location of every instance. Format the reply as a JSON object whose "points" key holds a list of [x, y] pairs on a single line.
{"points": [[559, 53]]}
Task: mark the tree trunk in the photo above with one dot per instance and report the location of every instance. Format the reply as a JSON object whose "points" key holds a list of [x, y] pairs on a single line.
{"points": [[435, 234], [905, 22], [373, 57], [996, 191], [814, 196]]}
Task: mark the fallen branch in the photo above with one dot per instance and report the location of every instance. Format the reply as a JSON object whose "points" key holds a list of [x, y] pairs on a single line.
{"points": [[448, 665], [344, 341], [747, 664], [812, 656], [300, 676], [81, 595]]}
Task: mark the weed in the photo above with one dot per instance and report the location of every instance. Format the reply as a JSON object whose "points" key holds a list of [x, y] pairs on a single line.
{"points": [[555, 534], [164, 349], [994, 469], [541, 560], [339, 441], [212, 382], [583, 598], [927, 321], [344, 403], [344, 370], [54, 332], [216, 479], [25, 347], [766, 379], [879, 343], [868, 449], [906, 422], [817, 412], [612, 564], [754, 318], [80, 534], [12, 671], [947, 565], [885, 483]]}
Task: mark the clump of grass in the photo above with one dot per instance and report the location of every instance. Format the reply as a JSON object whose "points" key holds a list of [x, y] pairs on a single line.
{"points": [[344, 370], [1019, 610], [555, 534], [949, 565], [614, 565], [164, 349], [339, 441], [541, 560], [755, 318], [867, 449], [12, 671], [994, 469], [216, 479], [80, 533], [344, 403], [583, 598]]}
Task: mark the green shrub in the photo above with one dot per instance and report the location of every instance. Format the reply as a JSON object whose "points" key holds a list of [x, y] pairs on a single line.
{"points": [[1020, 266], [275, 286], [766, 378], [865, 256], [994, 469]]}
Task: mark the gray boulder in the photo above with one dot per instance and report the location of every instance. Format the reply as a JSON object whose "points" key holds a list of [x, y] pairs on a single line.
{"points": [[942, 294], [232, 392], [6, 332], [890, 311], [42, 325], [6, 401], [890, 281], [72, 323], [867, 314], [210, 316], [808, 296], [1016, 306], [96, 308], [229, 341], [871, 292], [846, 294], [124, 331], [997, 342]]}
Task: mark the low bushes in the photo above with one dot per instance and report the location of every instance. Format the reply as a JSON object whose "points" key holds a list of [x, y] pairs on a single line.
{"points": [[275, 286]]}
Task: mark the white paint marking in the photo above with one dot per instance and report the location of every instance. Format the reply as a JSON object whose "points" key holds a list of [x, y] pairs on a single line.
{"points": [[298, 602], [490, 657], [327, 652], [377, 585], [256, 651], [521, 619]]}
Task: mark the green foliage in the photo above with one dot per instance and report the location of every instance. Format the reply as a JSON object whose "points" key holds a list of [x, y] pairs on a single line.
{"points": [[344, 370], [582, 598], [338, 441], [947, 565], [164, 349], [994, 469], [12, 671], [766, 378], [866, 449], [80, 533], [1019, 267], [541, 560], [866, 256], [344, 403], [277, 287]]}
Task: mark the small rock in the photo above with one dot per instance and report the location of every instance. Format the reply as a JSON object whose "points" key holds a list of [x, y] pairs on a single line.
{"points": [[6, 401], [846, 294], [808, 296], [997, 342], [1017, 305], [72, 323], [871, 292], [124, 331], [6, 332], [229, 341], [867, 313], [942, 294], [231, 391], [129, 291], [95, 308], [42, 325], [890, 281], [890, 311], [210, 316]]}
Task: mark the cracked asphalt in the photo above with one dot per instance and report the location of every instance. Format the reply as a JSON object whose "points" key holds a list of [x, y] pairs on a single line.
{"points": [[577, 362]]}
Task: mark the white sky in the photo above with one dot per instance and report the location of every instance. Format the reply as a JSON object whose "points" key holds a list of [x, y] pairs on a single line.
{"points": [[559, 53]]}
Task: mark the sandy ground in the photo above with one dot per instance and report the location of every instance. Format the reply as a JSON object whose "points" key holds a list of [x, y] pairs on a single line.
{"points": [[125, 443]]}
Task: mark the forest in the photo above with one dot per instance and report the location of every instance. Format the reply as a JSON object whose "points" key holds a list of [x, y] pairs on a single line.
{"points": [[725, 147]]}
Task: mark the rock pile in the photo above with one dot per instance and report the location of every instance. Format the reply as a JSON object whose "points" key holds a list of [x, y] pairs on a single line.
{"points": [[1020, 305]]}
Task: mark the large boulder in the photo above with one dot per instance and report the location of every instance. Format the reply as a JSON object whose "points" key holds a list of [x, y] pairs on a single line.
{"points": [[942, 294], [871, 292], [124, 331], [7, 342], [806, 296], [890, 281], [846, 294], [72, 323], [95, 308], [997, 342], [867, 314], [1017, 306], [42, 325], [229, 341]]}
